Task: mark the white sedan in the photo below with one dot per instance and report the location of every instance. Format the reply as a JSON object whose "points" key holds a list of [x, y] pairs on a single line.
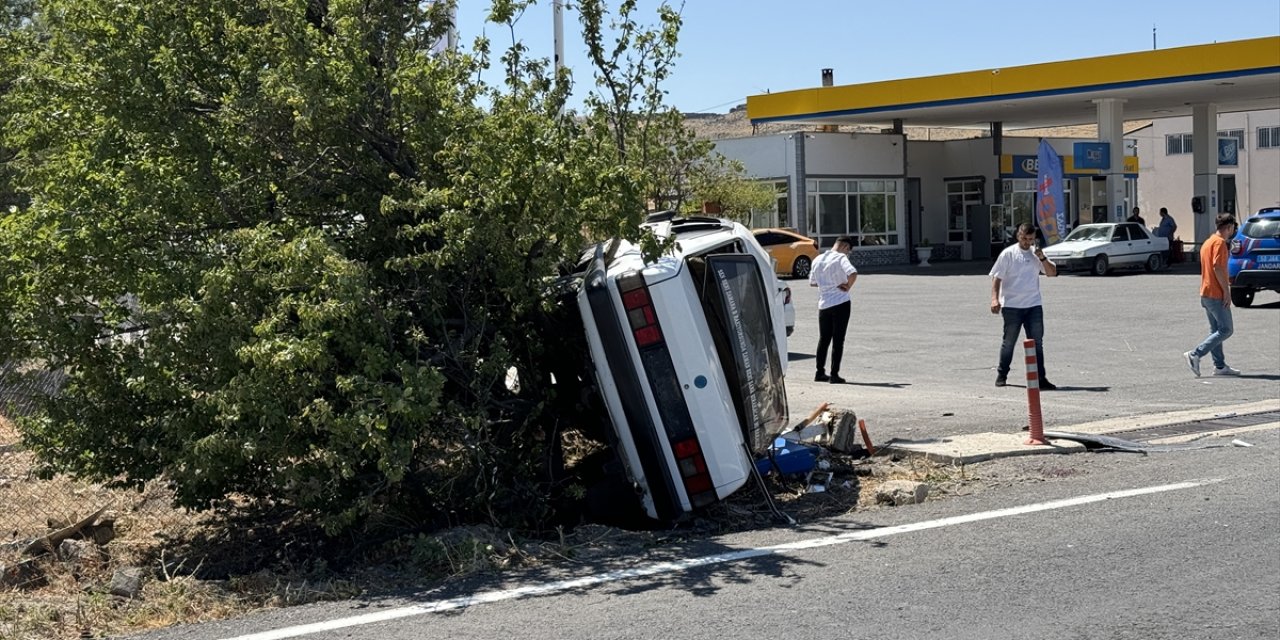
{"points": [[1099, 248]]}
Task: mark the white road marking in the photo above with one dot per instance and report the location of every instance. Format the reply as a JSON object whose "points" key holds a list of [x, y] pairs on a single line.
{"points": [[691, 563]]}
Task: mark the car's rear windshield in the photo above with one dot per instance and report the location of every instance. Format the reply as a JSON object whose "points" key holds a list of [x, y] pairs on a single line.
{"points": [[739, 315], [1262, 228]]}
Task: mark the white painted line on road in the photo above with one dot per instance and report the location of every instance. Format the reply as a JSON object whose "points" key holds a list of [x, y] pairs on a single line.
{"points": [[692, 563]]}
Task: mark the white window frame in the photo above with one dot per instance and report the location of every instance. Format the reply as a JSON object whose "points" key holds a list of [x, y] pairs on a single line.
{"points": [[1268, 137], [1177, 144], [1238, 134], [844, 191]]}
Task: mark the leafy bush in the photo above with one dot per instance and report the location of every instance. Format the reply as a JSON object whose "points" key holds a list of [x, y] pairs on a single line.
{"points": [[284, 250]]}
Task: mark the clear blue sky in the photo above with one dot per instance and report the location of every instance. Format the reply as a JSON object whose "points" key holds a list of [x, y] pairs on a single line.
{"points": [[734, 48]]}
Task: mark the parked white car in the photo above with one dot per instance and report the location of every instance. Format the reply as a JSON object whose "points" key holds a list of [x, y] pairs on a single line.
{"points": [[688, 353], [1099, 248]]}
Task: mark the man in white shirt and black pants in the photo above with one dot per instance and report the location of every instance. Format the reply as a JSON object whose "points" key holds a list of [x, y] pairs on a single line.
{"points": [[1015, 294], [833, 275]]}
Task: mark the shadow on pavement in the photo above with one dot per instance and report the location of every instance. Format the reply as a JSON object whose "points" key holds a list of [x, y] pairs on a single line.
{"points": [[1067, 387], [887, 385]]}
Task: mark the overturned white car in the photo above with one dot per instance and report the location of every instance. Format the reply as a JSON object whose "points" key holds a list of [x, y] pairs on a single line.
{"points": [[688, 355]]}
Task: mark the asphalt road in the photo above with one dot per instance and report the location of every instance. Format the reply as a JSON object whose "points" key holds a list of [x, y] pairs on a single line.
{"points": [[1191, 551], [922, 349], [1100, 546]]}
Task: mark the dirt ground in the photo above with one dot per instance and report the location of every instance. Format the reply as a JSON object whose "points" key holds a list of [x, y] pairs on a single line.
{"points": [[200, 567]]}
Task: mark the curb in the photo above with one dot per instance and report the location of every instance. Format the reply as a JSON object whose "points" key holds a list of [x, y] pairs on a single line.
{"points": [[979, 447]]}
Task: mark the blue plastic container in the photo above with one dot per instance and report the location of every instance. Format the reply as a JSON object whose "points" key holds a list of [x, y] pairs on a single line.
{"points": [[788, 457]]}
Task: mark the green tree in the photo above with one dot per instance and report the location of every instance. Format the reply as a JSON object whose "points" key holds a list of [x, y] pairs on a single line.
{"points": [[284, 251], [17, 35]]}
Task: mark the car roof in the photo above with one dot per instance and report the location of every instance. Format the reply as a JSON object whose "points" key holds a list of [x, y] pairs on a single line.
{"points": [[1269, 212]]}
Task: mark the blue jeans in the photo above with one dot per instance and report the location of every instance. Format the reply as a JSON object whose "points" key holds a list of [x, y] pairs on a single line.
{"points": [[1032, 319], [1220, 328]]}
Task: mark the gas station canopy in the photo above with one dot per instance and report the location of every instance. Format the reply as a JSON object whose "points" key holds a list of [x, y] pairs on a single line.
{"points": [[1242, 75]]}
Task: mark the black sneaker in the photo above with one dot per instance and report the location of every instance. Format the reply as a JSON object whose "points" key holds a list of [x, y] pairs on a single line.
{"points": [[835, 379], [820, 377], [1001, 382], [1045, 385]]}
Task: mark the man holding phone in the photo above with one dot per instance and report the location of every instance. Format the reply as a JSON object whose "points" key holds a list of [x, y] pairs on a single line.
{"points": [[1015, 295], [833, 275]]}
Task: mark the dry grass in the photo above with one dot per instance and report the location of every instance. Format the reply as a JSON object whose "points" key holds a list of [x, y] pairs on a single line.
{"points": [[166, 542], [74, 600]]}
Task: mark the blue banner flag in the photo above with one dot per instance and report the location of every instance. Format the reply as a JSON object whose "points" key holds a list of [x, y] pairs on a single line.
{"points": [[1050, 214]]}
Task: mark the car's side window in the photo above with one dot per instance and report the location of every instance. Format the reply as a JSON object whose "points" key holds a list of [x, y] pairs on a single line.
{"points": [[770, 239], [1121, 234], [1137, 232]]}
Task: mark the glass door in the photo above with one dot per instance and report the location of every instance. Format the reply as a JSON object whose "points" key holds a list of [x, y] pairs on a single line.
{"points": [[963, 198]]}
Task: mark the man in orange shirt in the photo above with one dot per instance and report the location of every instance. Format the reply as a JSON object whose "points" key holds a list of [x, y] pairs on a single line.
{"points": [[1215, 297]]}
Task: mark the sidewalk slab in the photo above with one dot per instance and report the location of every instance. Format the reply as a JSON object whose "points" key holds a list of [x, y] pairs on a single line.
{"points": [[976, 447]]}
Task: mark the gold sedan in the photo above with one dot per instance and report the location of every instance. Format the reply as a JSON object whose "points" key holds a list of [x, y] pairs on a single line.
{"points": [[792, 253]]}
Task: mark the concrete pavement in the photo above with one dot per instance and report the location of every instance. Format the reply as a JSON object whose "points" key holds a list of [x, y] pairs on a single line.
{"points": [[977, 447]]}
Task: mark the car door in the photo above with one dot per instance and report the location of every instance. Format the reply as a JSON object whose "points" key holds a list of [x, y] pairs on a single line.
{"points": [[1121, 249], [1142, 242]]}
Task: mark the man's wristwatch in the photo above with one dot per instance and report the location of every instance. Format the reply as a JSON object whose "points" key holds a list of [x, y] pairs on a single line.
{"points": [[1044, 258]]}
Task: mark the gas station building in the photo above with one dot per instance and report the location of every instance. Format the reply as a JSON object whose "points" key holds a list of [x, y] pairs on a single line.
{"points": [[1214, 110]]}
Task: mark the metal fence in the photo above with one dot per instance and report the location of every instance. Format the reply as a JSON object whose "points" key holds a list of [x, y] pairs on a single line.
{"points": [[31, 507]]}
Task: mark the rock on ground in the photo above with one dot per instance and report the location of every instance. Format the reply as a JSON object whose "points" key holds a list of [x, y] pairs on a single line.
{"points": [[900, 492]]}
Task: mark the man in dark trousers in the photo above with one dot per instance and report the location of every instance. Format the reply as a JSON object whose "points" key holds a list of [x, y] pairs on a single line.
{"points": [[1015, 295], [1165, 229], [833, 275]]}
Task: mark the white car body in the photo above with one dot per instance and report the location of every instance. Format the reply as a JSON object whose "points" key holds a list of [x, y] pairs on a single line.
{"points": [[1101, 247], [788, 312], [688, 352]]}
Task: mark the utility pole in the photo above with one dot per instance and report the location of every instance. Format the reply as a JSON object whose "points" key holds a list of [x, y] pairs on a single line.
{"points": [[557, 12], [1153, 36]]}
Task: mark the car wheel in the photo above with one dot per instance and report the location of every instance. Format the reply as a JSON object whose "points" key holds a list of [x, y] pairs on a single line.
{"points": [[1101, 265], [800, 268], [1153, 262], [1241, 297]]}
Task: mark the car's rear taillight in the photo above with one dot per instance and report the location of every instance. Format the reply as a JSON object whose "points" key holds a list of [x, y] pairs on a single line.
{"points": [[640, 314], [787, 300], [693, 471], [1236, 248]]}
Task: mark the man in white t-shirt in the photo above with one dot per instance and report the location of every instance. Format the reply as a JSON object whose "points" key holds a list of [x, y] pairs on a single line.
{"points": [[1015, 294], [833, 275]]}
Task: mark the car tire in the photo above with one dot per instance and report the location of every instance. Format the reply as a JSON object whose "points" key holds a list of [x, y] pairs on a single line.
{"points": [[1101, 265], [800, 268], [1153, 262], [1241, 297]]}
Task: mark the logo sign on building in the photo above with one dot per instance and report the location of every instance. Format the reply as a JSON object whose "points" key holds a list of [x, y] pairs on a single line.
{"points": [[1092, 155], [1049, 203], [1228, 152]]}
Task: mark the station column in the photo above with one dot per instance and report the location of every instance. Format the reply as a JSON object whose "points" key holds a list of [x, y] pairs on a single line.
{"points": [[1111, 131], [1204, 163]]}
